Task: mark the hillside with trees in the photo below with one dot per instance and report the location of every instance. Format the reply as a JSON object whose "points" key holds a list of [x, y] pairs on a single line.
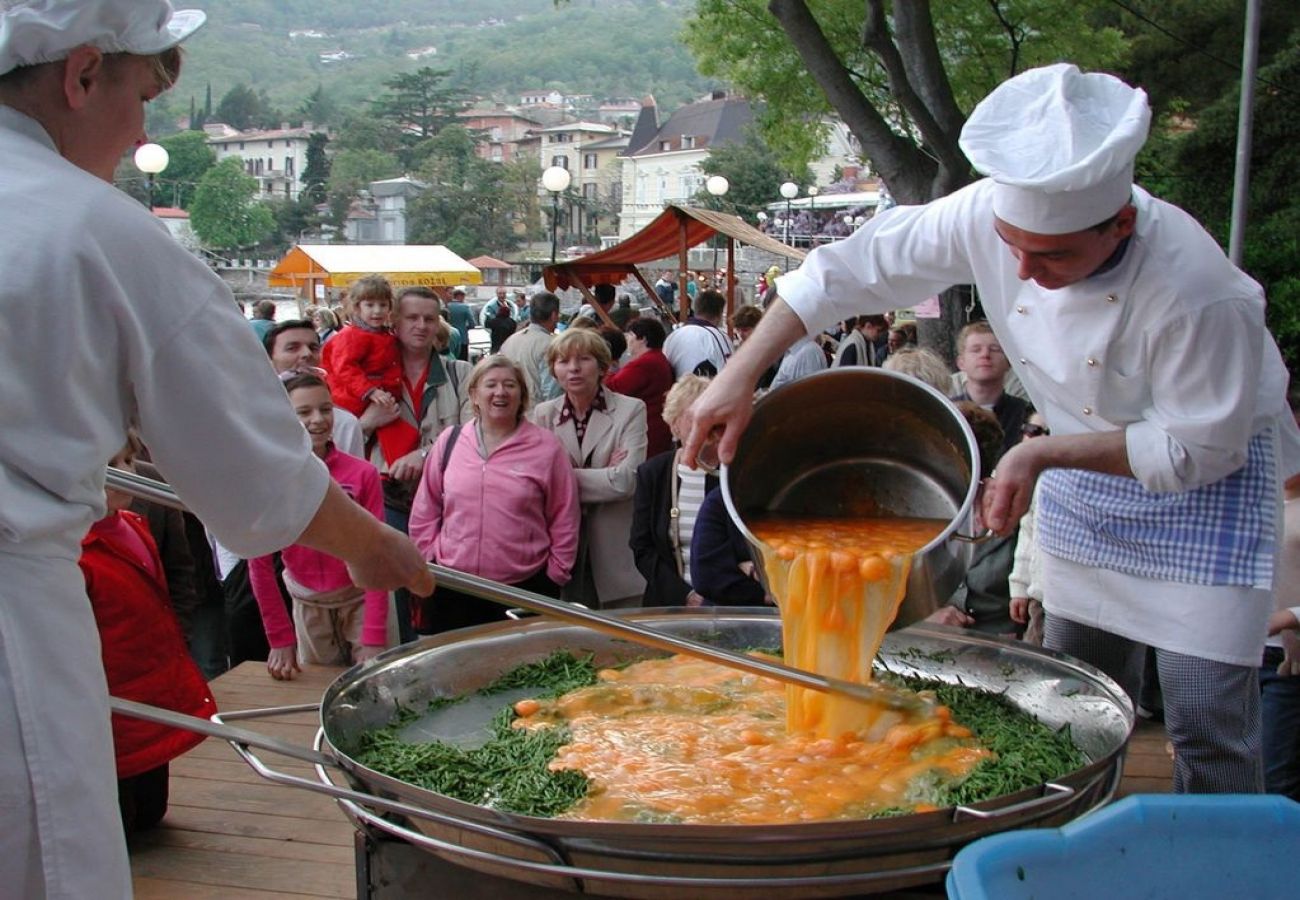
{"points": [[320, 59]]}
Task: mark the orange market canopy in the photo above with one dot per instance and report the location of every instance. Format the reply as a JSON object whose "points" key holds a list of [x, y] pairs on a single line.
{"points": [[672, 233], [338, 265]]}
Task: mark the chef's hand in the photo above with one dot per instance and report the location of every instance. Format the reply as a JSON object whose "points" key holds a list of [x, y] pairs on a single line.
{"points": [[366, 653], [1290, 665], [1006, 495], [408, 467], [390, 561], [282, 663], [721, 412], [1282, 620], [1019, 610], [725, 408], [378, 557]]}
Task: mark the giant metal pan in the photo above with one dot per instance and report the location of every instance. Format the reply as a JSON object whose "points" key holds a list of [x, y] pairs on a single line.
{"points": [[823, 859]]}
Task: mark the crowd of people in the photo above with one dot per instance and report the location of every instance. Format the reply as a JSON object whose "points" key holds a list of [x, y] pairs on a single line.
{"points": [[321, 486], [556, 465]]}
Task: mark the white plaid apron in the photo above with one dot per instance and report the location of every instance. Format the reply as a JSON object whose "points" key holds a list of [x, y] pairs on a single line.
{"points": [[1223, 533]]}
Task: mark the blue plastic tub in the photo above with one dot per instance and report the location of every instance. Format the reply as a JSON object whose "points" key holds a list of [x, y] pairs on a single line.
{"points": [[1150, 846]]}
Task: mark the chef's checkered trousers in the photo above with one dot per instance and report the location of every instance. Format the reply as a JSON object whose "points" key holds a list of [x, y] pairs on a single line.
{"points": [[1212, 709]]}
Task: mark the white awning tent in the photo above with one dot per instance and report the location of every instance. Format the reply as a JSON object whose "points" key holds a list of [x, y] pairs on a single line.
{"points": [[338, 265]]}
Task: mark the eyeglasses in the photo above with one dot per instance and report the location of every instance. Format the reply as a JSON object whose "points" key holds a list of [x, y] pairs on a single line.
{"points": [[1031, 430]]}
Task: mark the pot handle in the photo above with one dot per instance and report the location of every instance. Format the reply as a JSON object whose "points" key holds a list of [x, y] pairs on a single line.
{"points": [[218, 729], [1052, 793]]}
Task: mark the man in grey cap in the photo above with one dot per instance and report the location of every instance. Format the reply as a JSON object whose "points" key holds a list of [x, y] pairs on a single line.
{"points": [[1159, 484], [108, 322]]}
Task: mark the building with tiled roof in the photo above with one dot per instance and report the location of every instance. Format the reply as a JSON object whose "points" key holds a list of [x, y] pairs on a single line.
{"points": [[590, 151], [661, 164], [276, 157]]}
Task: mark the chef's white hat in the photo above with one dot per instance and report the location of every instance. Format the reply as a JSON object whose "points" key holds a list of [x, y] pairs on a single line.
{"points": [[41, 31], [1059, 146]]}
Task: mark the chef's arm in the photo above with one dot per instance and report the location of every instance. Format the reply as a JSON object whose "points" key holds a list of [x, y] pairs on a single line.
{"points": [[729, 400], [1007, 494], [377, 556]]}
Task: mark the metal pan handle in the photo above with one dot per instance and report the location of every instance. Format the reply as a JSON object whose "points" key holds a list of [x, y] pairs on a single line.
{"points": [[1053, 794], [242, 739], [972, 538]]}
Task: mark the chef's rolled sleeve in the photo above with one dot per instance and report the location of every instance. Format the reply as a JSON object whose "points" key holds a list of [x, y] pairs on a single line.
{"points": [[899, 258], [1204, 370], [219, 426]]}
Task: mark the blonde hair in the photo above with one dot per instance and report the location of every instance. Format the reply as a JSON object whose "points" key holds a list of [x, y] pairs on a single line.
{"points": [[579, 342], [498, 361], [680, 397], [980, 327], [923, 365]]}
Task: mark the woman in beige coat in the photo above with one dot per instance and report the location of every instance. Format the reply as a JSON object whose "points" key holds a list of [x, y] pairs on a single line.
{"points": [[604, 434]]}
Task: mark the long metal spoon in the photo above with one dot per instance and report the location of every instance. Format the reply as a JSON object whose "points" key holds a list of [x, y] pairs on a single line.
{"points": [[158, 492]]}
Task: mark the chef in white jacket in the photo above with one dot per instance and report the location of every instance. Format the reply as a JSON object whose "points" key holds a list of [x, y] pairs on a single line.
{"points": [[1147, 352], [105, 320]]}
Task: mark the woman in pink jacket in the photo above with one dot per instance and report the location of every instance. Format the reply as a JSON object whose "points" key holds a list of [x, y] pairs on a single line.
{"points": [[498, 499]]}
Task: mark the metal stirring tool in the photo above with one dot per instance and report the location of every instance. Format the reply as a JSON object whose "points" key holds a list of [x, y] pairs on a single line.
{"points": [[159, 492]]}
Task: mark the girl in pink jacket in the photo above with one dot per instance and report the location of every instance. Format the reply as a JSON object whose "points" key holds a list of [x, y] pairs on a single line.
{"points": [[498, 499]]}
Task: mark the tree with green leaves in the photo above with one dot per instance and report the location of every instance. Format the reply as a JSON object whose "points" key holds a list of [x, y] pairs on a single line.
{"points": [[471, 205], [244, 108], [350, 172], [899, 75], [189, 159], [752, 170], [225, 213], [418, 105], [292, 218], [1190, 161], [365, 132], [319, 108], [316, 173]]}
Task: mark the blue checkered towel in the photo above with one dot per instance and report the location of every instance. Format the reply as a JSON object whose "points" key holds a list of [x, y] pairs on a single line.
{"points": [[1222, 534]]}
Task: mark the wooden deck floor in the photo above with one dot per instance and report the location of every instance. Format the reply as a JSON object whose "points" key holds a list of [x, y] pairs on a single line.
{"points": [[231, 835]]}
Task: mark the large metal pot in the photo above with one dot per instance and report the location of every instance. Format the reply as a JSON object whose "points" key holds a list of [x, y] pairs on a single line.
{"points": [[861, 441], [825, 859]]}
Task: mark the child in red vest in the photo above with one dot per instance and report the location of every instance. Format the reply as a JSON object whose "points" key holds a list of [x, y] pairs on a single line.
{"points": [[144, 653], [363, 363]]}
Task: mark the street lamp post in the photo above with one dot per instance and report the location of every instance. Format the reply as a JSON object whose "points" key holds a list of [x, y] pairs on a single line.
{"points": [[556, 180], [151, 159], [717, 186], [812, 213], [789, 191]]}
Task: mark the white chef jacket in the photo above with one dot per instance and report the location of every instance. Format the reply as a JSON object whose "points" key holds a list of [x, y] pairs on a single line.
{"points": [[104, 319], [1169, 344]]}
